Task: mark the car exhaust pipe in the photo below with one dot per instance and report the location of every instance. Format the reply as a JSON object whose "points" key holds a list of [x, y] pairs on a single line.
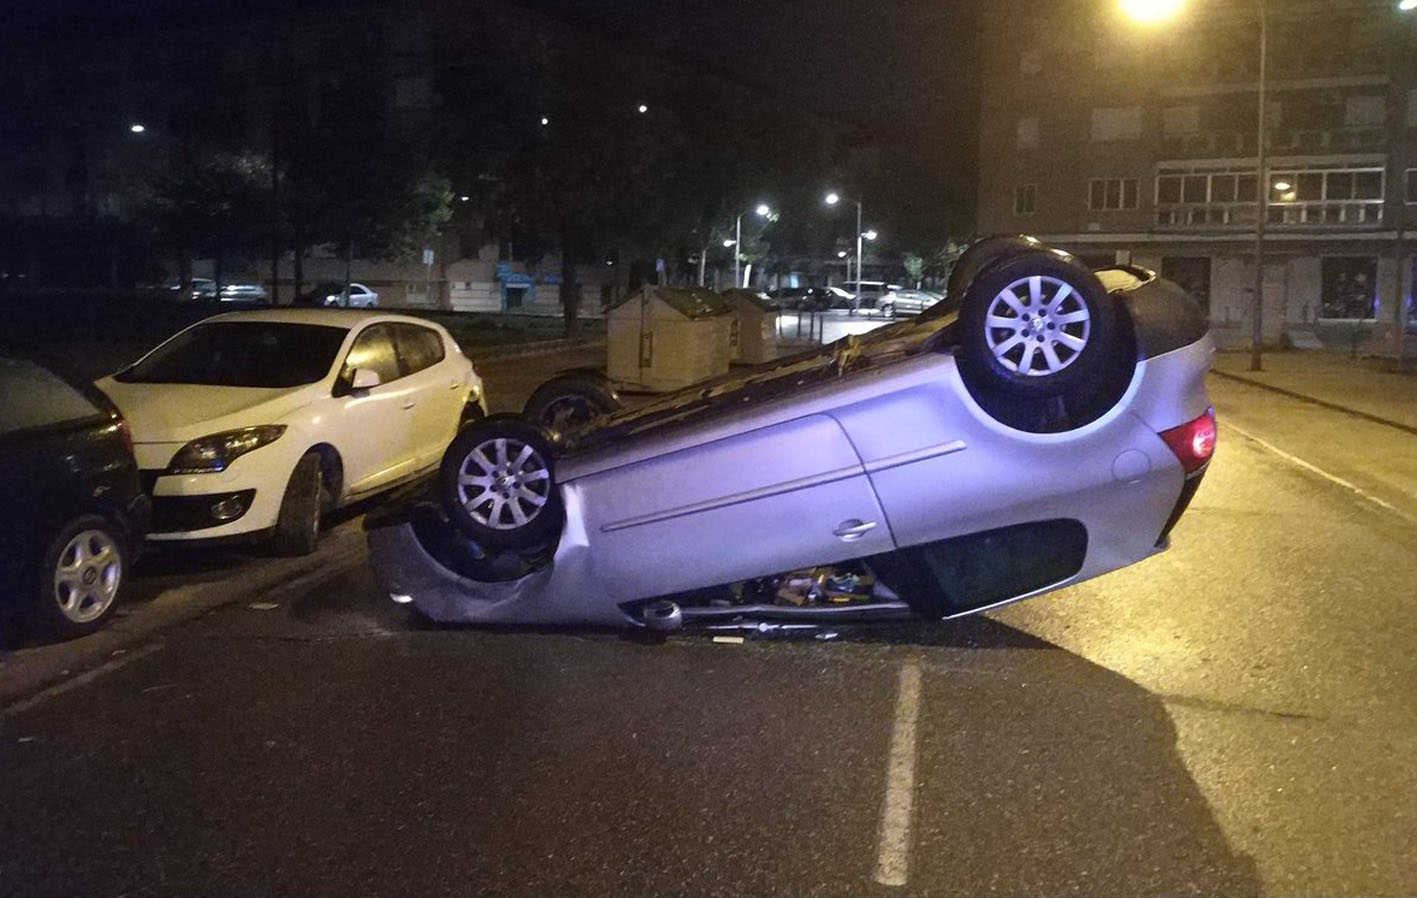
{"points": [[662, 616]]}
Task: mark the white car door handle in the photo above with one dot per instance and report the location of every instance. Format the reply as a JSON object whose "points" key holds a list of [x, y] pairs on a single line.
{"points": [[852, 530], [409, 404]]}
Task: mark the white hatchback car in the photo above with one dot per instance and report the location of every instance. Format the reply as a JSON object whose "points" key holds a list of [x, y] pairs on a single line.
{"points": [[255, 423]]}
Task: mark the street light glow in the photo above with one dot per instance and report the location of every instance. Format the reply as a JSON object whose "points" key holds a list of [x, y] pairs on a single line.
{"points": [[643, 109], [1407, 5], [833, 198], [545, 120], [1153, 12], [764, 211], [464, 198], [136, 128], [728, 243], [841, 254], [871, 234]]}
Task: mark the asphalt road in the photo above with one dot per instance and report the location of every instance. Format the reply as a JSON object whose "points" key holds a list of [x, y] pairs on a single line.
{"points": [[1233, 717]]}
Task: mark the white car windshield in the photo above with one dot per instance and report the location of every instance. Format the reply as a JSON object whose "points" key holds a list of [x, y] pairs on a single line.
{"points": [[242, 354]]}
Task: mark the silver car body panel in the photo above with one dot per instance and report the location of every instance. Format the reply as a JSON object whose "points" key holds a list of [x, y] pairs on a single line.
{"points": [[889, 457]]}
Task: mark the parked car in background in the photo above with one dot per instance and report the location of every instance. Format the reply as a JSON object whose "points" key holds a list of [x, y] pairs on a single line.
{"points": [[200, 288], [356, 296], [904, 301], [73, 513], [868, 293], [811, 299], [255, 424], [243, 293], [838, 298]]}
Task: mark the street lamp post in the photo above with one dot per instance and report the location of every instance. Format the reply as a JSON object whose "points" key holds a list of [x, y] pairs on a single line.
{"points": [[1153, 12], [762, 211], [1261, 197], [832, 199]]}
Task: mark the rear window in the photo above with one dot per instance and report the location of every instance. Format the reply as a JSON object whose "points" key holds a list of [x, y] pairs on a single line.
{"points": [[420, 347], [31, 396], [271, 354]]}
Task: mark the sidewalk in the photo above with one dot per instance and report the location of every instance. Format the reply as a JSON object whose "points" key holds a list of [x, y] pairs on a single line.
{"points": [[1361, 386]]}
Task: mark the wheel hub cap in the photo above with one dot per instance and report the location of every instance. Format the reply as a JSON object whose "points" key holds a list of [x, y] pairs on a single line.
{"points": [[1037, 326], [503, 483]]}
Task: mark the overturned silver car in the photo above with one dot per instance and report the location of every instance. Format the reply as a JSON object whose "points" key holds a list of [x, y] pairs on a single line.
{"points": [[1043, 425]]}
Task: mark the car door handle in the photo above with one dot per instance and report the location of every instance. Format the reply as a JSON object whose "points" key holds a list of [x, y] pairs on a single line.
{"points": [[852, 530], [409, 404], [454, 385]]}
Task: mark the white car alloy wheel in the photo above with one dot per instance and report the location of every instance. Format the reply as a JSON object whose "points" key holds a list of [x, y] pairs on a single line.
{"points": [[504, 483], [87, 576], [1037, 326]]}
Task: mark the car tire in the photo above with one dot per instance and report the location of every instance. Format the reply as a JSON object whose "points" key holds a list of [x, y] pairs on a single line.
{"points": [[984, 254], [298, 523], [1038, 326], [81, 575], [497, 483], [568, 401], [888, 310]]}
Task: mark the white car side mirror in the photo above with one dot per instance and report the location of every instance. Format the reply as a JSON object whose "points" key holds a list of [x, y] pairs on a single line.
{"points": [[365, 379]]}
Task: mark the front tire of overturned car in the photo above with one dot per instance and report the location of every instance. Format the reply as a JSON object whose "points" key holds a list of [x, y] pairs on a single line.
{"points": [[497, 483]]}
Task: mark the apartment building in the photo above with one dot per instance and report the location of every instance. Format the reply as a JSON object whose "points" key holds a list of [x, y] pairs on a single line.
{"points": [[1137, 143]]}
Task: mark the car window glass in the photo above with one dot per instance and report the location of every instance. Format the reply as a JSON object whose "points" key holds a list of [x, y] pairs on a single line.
{"points": [[272, 354], [373, 349], [30, 396], [420, 347]]}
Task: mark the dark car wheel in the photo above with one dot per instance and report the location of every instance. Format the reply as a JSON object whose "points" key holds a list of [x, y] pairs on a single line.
{"points": [[888, 310], [298, 524], [568, 401], [1038, 326], [82, 572], [497, 484]]}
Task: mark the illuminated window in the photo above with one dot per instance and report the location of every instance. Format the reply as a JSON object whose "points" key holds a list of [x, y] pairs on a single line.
{"points": [[1116, 123], [1028, 133]]}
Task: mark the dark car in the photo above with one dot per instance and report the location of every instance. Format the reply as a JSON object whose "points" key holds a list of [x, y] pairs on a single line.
{"points": [[74, 513]]}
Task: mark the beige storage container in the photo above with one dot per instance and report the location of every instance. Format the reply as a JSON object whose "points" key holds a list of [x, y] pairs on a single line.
{"points": [[754, 335], [666, 338]]}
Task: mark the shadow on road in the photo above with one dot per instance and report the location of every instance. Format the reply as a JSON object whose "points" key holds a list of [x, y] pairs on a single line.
{"points": [[537, 763]]}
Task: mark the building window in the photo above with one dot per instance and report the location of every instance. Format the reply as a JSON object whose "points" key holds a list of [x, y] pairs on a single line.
{"points": [[1332, 195], [1116, 123], [1112, 194], [1349, 287], [1192, 273], [1028, 133], [1026, 199], [1412, 108], [1031, 62], [1411, 191], [1180, 121], [1365, 112]]}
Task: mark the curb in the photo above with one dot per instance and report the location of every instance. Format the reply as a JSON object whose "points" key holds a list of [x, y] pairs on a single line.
{"points": [[32, 671], [539, 347], [1334, 406]]}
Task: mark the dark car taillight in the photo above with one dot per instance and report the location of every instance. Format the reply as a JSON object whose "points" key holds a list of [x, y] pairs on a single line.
{"points": [[1193, 442], [126, 435]]}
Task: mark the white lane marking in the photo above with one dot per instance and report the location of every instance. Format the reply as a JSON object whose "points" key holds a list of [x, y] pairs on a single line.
{"points": [[893, 845], [1314, 469], [89, 676]]}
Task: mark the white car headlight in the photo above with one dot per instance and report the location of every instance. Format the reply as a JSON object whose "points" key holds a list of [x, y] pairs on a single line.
{"points": [[215, 452]]}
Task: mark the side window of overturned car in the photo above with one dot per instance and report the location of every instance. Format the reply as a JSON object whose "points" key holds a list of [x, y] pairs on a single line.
{"points": [[373, 350]]}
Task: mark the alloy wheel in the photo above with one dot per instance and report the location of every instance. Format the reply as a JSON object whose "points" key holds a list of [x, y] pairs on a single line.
{"points": [[504, 483], [1037, 326], [88, 575]]}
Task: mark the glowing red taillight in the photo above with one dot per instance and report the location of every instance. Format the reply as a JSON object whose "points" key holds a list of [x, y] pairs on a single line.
{"points": [[1193, 442]]}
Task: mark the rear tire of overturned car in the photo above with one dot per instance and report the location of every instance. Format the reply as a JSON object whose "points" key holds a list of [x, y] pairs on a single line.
{"points": [[497, 484], [1043, 347]]}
